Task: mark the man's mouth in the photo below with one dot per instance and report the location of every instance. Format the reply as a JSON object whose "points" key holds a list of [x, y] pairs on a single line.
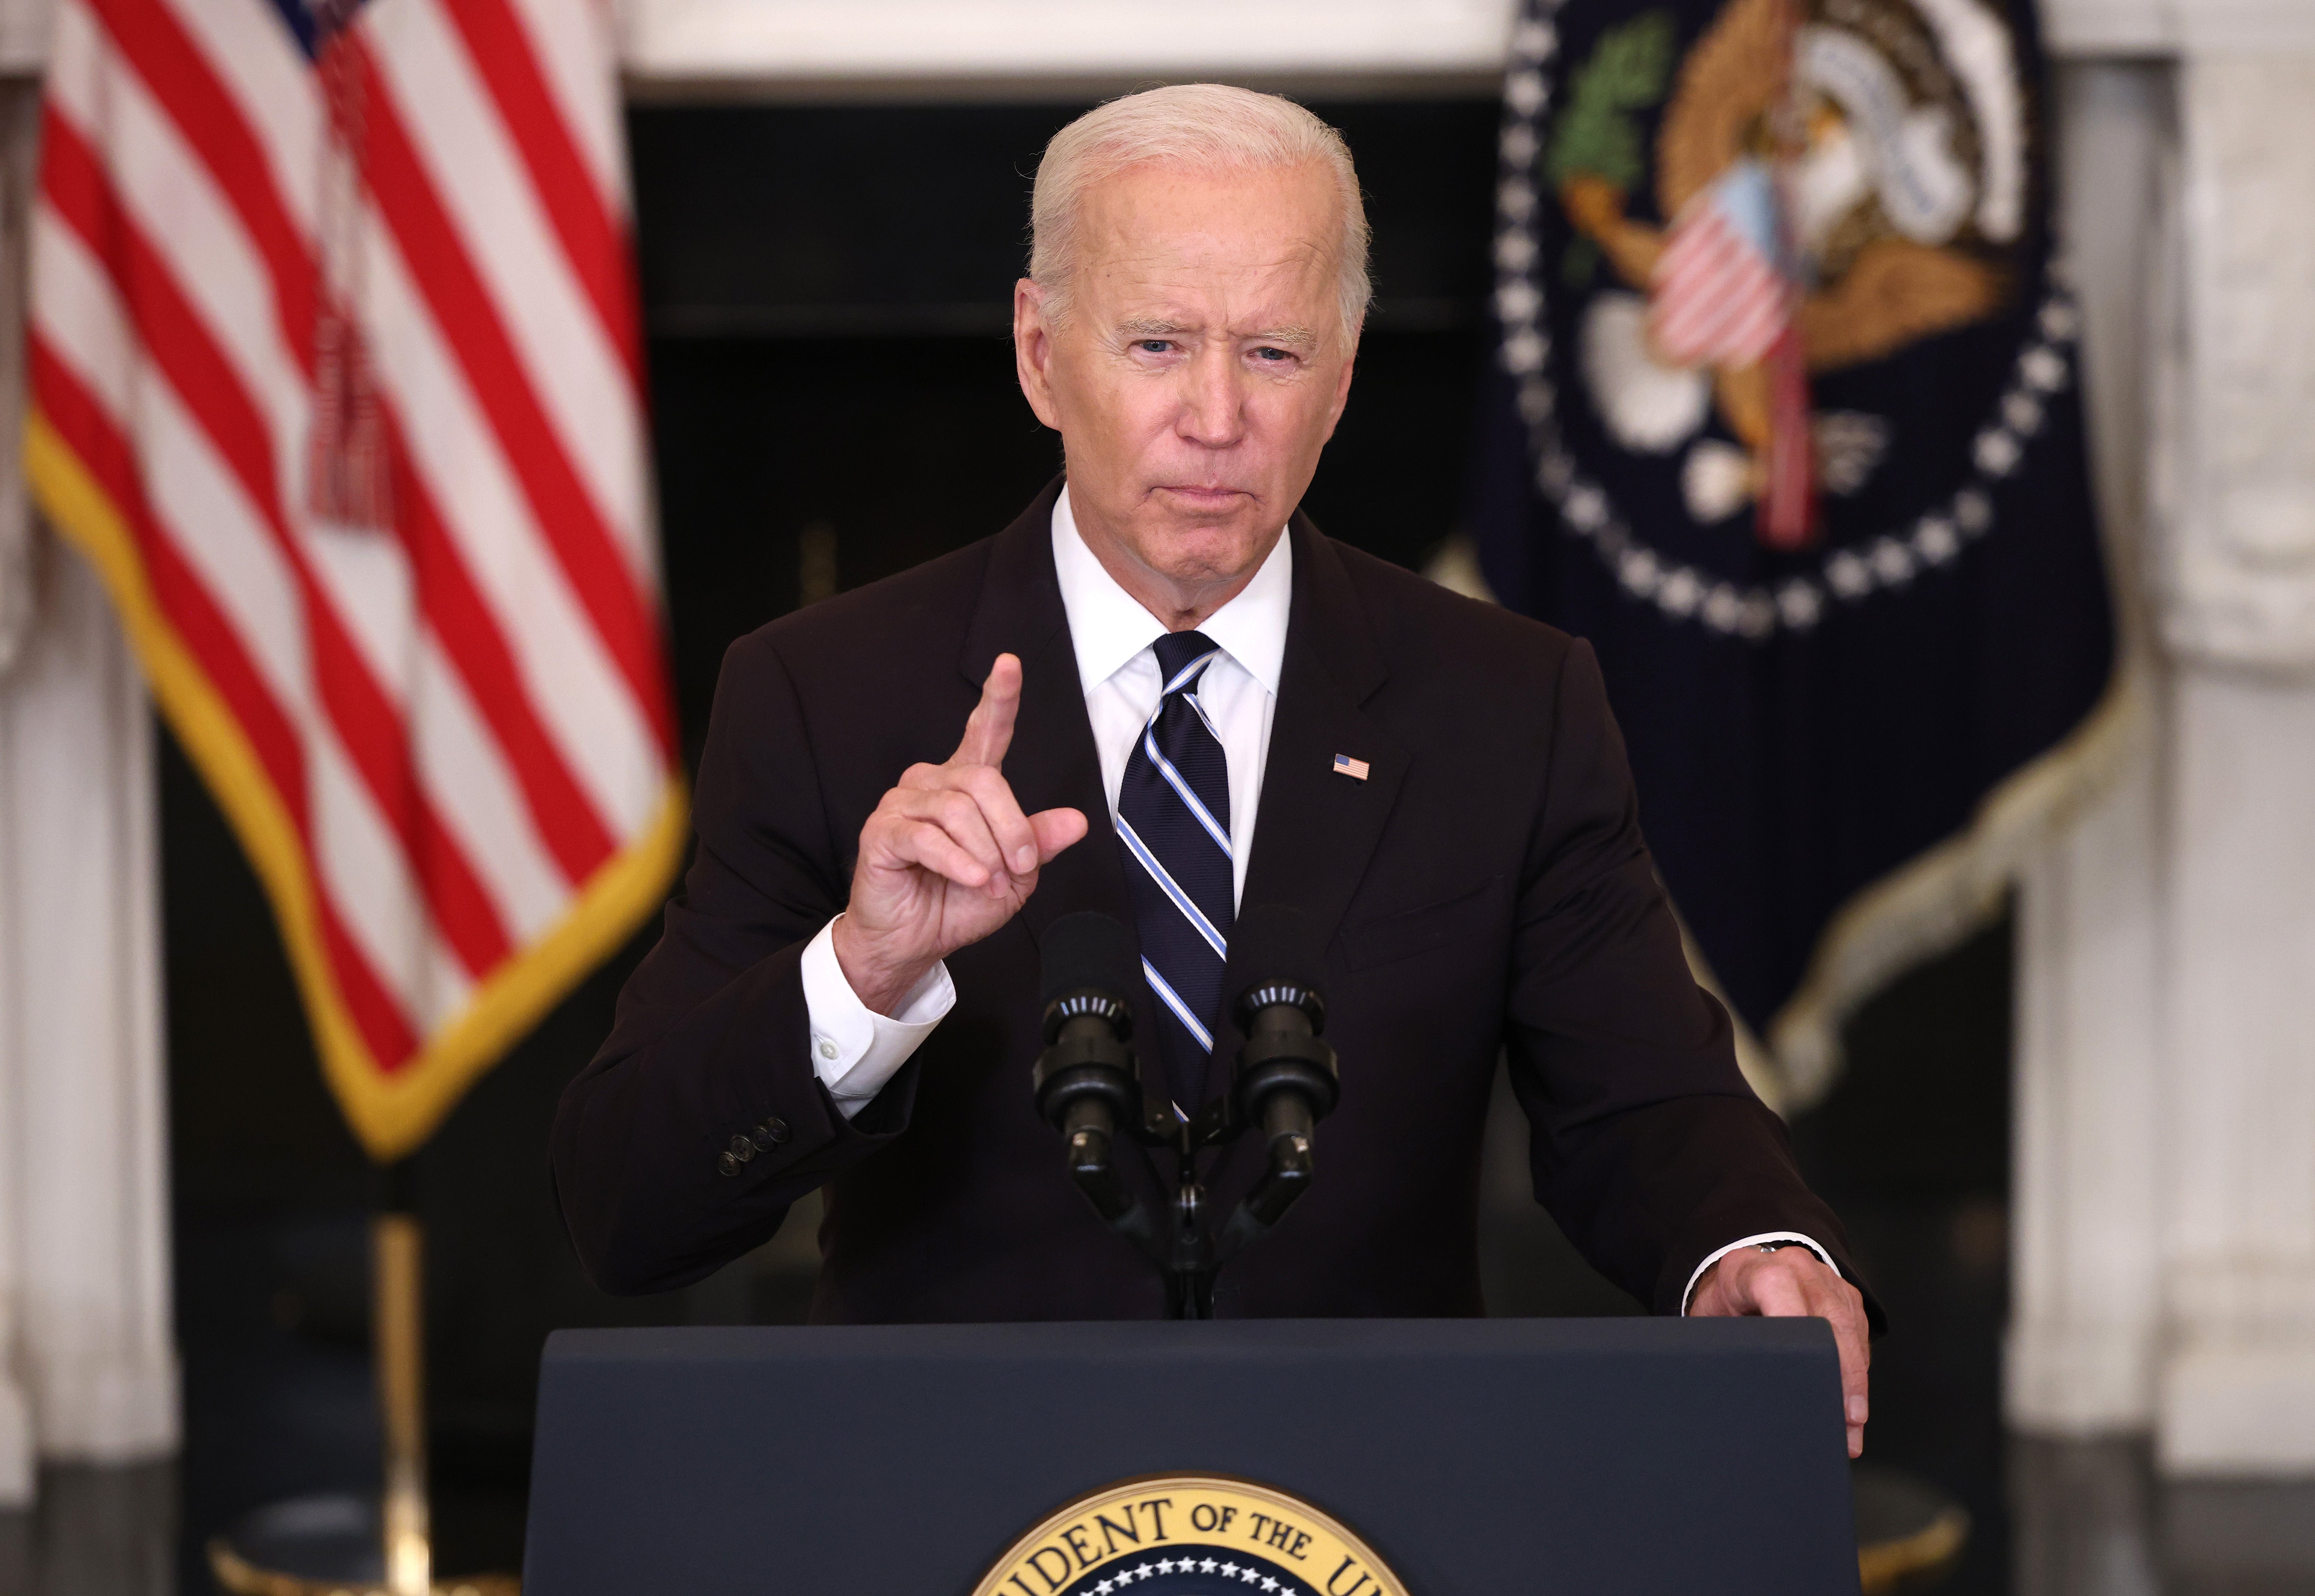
{"points": [[1203, 497]]}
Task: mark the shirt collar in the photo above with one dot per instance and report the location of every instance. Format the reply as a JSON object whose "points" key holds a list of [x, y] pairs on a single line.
{"points": [[1108, 627]]}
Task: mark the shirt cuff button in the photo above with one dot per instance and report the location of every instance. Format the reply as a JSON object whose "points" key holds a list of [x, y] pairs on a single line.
{"points": [[828, 1049]]}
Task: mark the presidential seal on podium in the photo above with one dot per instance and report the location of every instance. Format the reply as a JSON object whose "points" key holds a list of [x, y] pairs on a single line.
{"points": [[1189, 1535]]}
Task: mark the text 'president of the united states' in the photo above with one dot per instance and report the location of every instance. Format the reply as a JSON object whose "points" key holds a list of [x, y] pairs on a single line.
{"points": [[1163, 694]]}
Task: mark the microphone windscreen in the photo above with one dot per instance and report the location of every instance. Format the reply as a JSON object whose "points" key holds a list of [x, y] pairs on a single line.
{"points": [[1090, 949], [1273, 942]]}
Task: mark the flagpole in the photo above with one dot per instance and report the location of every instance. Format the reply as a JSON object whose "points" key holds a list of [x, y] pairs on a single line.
{"points": [[397, 1251], [269, 1555]]}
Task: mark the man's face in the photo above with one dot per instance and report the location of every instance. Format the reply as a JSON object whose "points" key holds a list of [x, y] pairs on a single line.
{"points": [[1199, 369]]}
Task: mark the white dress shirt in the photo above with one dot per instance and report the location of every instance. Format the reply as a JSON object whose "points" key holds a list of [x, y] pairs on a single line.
{"points": [[855, 1050]]}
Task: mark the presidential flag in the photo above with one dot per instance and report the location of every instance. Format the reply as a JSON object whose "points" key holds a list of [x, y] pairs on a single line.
{"points": [[336, 380], [1785, 419]]}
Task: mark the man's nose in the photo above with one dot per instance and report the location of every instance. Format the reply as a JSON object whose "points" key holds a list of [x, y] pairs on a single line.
{"points": [[1213, 401]]}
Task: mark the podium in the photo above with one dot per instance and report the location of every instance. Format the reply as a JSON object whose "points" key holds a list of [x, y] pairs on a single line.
{"points": [[1457, 1458]]}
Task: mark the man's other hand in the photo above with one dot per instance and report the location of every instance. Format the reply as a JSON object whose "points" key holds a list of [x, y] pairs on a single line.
{"points": [[1790, 1283], [947, 857]]}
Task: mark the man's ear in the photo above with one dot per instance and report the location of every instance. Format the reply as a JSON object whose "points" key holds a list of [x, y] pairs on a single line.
{"points": [[1033, 351]]}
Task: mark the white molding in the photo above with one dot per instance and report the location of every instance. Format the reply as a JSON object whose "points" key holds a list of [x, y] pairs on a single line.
{"points": [[2238, 1412], [25, 35], [1036, 49], [2108, 27], [87, 1122], [2237, 1388], [939, 46], [2178, 27], [2239, 568], [2086, 1269], [2079, 1379], [943, 49]]}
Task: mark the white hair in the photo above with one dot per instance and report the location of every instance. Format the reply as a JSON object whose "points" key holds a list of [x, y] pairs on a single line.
{"points": [[1208, 127]]}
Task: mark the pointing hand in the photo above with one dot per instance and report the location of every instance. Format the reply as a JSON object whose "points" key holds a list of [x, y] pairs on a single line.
{"points": [[948, 857]]}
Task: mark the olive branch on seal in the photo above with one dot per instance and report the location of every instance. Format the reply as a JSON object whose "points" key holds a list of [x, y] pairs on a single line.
{"points": [[1596, 134]]}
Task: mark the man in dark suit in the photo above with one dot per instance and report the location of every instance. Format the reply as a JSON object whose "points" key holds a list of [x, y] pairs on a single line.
{"points": [[897, 785]]}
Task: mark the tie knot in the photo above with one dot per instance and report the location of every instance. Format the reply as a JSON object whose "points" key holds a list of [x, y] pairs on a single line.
{"points": [[1179, 651]]}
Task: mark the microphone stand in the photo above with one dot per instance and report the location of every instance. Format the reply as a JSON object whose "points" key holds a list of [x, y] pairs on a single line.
{"points": [[1088, 1084]]}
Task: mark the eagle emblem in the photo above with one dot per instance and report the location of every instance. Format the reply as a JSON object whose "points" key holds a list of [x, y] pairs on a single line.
{"points": [[1785, 252]]}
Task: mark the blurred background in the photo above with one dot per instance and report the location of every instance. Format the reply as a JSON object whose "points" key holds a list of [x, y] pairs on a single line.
{"points": [[2073, 1140]]}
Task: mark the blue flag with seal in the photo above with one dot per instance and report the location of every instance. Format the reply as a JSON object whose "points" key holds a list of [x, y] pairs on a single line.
{"points": [[1784, 419]]}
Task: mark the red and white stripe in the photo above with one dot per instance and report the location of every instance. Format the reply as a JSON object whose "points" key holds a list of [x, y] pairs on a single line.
{"points": [[1716, 301], [465, 718]]}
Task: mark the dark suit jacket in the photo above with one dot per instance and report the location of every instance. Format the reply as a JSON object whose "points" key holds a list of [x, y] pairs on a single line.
{"points": [[1486, 888]]}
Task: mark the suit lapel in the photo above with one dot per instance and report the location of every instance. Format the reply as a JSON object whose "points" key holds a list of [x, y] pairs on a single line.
{"points": [[1052, 761], [1317, 828]]}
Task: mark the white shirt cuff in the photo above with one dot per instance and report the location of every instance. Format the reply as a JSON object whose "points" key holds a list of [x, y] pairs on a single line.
{"points": [[855, 1050], [1795, 1236]]}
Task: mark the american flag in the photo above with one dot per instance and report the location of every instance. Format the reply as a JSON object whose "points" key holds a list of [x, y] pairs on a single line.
{"points": [[1717, 298], [337, 380]]}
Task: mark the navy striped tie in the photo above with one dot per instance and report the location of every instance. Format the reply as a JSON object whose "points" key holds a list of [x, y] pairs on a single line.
{"points": [[1174, 820]]}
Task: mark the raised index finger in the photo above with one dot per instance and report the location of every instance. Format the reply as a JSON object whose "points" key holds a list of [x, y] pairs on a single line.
{"points": [[989, 731]]}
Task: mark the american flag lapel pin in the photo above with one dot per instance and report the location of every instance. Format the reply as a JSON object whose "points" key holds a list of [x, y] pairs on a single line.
{"points": [[1356, 769]]}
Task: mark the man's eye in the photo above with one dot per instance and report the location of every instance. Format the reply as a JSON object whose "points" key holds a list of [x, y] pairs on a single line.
{"points": [[1271, 355], [1155, 346]]}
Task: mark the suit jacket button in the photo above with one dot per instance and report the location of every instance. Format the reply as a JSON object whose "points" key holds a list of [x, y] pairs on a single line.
{"points": [[742, 1149], [725, 1164], [773, 1132]]}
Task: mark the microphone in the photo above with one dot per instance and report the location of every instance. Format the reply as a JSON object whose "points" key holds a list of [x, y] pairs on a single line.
{"points": [[1288, 1079], [1088, 1087], [1087, 1083]]}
